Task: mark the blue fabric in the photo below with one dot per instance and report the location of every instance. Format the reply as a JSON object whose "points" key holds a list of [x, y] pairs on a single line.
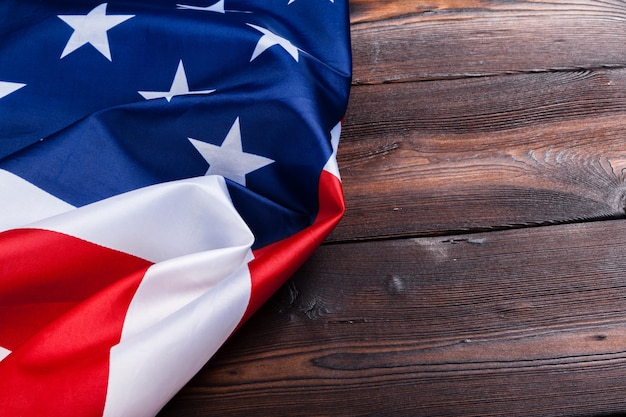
{"points": [[81, 130]]}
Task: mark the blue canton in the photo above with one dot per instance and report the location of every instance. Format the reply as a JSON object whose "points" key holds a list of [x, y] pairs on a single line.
{"points": [[97, 99]]}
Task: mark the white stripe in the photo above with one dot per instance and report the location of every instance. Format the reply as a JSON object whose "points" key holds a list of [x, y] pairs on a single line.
{"points": [[331, 166], [160, 222], [21, 202], [4, 353], [176, 322], [189, 301]]}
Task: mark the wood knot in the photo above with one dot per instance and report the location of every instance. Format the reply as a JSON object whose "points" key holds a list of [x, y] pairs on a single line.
{"points": [[395, 285]]}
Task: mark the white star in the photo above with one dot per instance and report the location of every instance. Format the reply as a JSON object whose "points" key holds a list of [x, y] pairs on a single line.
{"points": [[229, 159], [217, 7], [91, 28], [270, 39], [179, 87], [7, 88]]}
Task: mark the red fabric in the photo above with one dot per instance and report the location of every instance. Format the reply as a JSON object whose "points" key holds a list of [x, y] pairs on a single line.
{"points": [[60, 339], [274, 264]]}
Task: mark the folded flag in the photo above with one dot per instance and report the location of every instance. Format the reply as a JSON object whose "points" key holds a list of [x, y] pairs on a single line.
{"points": [[164, 168]]}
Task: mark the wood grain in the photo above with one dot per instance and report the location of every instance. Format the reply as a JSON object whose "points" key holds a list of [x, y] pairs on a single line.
{"points": [[508, 145], [429, 158], [480, 324], [373, 10], [489, 38]]}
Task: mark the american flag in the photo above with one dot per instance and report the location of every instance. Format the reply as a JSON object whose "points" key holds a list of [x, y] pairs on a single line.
{"points": [[164, 168]]}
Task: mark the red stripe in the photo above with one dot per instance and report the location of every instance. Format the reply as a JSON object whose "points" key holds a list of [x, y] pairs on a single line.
{"points": [[274, 264], [62, 306]]}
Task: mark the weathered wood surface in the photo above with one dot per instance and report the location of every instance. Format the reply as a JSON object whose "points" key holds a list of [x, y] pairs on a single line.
{"points": [[480, 267], [519, 119], [430, 157], [501, 323], [406, 40]]}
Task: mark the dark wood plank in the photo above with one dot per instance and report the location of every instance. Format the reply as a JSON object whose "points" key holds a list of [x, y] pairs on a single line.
{"points": [[462, 38], [523, 322], [539, 147], [373, 10], [493, 152]]}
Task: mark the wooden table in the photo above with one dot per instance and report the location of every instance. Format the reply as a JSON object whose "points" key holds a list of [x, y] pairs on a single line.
{"points": [[480, 268]]}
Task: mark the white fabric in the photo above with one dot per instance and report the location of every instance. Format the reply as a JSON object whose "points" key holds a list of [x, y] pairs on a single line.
{"points": [[331, 166], [176, 322], [188, 302], [21, 202], [160, 222], [4, 353]]}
